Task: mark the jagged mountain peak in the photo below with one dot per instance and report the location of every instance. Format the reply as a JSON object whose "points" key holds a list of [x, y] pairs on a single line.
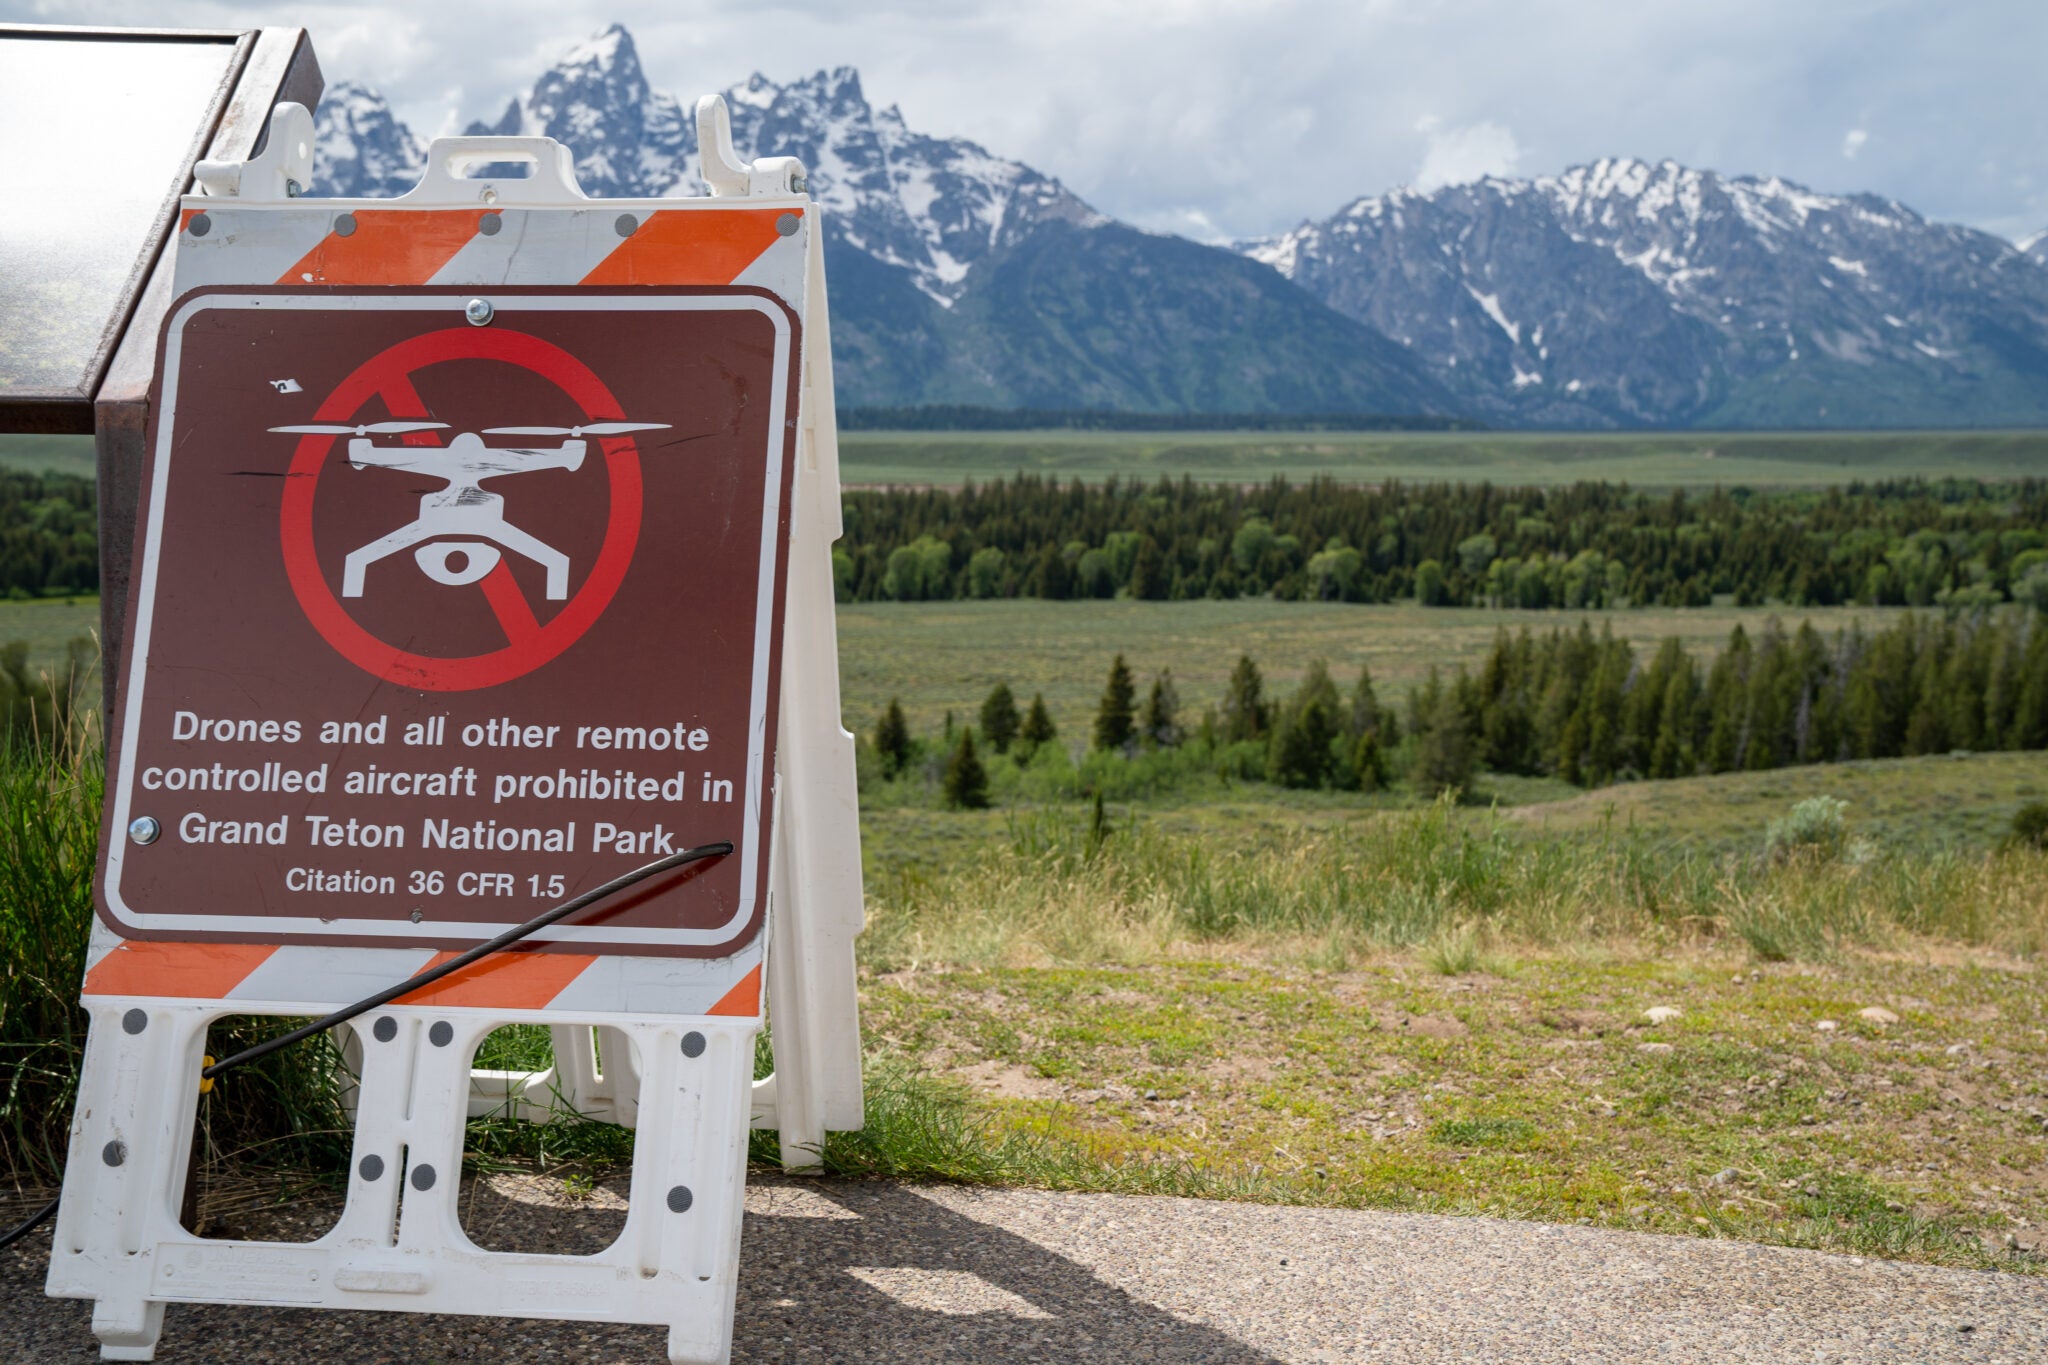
{"points": [[931, 206], [360, 147], [607, 58], [629, 139], [612, 43]]}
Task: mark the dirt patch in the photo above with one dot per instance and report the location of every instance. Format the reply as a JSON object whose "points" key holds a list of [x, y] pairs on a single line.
{"points": [[1007, 1080], [1583, 1022], [1240, 1068], [1423, 1025]]}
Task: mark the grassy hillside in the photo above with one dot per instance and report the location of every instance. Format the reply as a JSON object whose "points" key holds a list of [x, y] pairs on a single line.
{"points": [[1956, 798], [1645, 459]]}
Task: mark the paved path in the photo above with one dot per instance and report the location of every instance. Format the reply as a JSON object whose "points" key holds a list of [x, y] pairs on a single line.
{"points": [[879, 1272]]}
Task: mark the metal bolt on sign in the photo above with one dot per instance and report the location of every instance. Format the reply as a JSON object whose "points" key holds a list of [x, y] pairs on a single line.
{"points": [[541, 593]]}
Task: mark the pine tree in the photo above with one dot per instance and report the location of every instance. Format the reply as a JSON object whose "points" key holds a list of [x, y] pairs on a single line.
{"points": [[1159, 724], [892, 739], [1368, 763], [1444, 758], [2029, 727], [1772, 701], [1149, 578], [1647, 701], [2004, 683], [1050, 577], [1507, 728], [1317, 686], [1301, 755], [1364, 716], [1603, 706], [1673, 753], [1727, 705], [965, 784], [1114, 723], [1038, 727], [1244, 707], [999, 718]]}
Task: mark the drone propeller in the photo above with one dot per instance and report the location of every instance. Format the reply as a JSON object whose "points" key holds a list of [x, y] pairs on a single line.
{"points": [[594, 429], [371, 429]]}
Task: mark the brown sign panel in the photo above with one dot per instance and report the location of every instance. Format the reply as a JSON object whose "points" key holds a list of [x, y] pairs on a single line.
{"points": [[436, 624]]}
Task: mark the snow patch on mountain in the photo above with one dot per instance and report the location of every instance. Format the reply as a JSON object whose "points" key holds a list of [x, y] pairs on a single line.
{"points": [[1491, 303]]}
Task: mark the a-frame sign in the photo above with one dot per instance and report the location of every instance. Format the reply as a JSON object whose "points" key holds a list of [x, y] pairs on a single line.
{"points": [[483, 553]]}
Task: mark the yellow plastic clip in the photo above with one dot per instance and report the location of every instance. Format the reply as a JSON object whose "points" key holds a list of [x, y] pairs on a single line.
{"points": [[205, 1081]]}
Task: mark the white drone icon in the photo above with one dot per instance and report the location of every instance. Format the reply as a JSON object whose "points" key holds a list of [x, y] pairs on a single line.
{"points": [[462, 508]]}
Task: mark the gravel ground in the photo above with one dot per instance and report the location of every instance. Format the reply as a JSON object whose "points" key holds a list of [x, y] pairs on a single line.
{"points": [[882, 1272]]}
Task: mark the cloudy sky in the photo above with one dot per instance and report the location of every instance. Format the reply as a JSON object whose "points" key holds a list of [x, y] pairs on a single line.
{"points": [[1222, 118]]}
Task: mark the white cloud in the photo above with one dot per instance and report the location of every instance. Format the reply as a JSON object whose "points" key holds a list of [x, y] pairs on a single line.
{"points": [[1259, 113], [1457, 156], [1182, 221], [1853, 140]]}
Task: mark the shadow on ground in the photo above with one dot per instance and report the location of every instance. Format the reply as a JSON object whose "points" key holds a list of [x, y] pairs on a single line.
{"points": [[828, 1272]]}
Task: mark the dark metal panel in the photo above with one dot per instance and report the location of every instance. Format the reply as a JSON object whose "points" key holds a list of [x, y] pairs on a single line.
{"points": [[279, 66], [102, 127]]}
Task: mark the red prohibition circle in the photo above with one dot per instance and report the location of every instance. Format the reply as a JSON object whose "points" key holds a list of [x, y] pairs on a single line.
{"points": [[390, 372]]}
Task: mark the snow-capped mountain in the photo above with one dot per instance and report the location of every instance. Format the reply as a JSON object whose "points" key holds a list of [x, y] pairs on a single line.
{"points": [[360, 147], [1620, 293], [933, 206], [957, 276], [1630, 293]]}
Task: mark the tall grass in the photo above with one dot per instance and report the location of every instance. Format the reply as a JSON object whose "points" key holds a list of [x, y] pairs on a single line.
{"points": [[281, 1111], [1065, 884], [1057, 891], [49, 837]]}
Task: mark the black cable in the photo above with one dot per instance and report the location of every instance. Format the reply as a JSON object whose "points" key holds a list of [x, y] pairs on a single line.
{"points": [[23, 1229], [423, 979]]}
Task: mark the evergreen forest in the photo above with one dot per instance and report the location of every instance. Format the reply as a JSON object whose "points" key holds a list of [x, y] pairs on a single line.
{"points": [[1950, 543], [1954, 543], [1569, 703]]}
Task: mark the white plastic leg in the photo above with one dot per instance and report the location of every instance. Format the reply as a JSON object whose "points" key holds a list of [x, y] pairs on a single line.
{"points": [[128, 1329], [676, 1263]]}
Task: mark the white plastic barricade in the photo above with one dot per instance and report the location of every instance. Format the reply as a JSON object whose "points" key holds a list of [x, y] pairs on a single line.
{"points": [[484, 555]]}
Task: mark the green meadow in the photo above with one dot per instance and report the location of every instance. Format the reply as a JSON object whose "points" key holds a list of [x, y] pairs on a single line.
{"points": [[1654, 459]]}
